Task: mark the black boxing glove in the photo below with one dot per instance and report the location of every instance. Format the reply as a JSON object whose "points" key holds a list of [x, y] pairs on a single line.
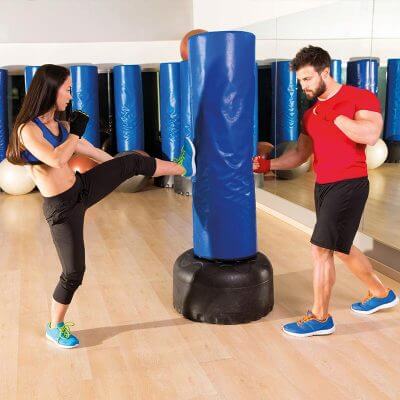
{"points": [[78, 122]]}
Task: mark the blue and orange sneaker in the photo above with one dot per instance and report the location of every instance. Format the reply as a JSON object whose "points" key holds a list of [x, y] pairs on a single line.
{"points": [[372, 304], [309, 325], [187, 158], [61, 335]]}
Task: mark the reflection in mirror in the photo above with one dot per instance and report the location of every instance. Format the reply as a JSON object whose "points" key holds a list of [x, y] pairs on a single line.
{"points": [[364, 44]]}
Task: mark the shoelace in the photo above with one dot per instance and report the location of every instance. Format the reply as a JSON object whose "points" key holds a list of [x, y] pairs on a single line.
{"points": [[309, 316], [181, 157], [369, 296], [65, 330]]}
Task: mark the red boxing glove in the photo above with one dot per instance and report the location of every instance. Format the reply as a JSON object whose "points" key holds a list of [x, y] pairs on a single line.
{"points": [[264, 165], [346, 108]]}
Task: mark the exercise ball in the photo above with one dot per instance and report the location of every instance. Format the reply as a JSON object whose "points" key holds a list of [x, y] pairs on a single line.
{"points": [[264, 149], [15, 179], [376, 154], [137, 182], [293, 172], [184, 42], [81, 163]]}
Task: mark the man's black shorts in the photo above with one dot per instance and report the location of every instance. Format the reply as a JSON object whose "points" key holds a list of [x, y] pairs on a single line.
{"points": [[339, 207]]}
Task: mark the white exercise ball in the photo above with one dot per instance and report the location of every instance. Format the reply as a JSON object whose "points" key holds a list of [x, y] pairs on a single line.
{"points": [[15, 179], [376, 154]]}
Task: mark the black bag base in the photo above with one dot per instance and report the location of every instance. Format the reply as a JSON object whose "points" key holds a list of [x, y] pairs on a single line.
{"points": [[166, 181], [183, 186], [223, 292]]}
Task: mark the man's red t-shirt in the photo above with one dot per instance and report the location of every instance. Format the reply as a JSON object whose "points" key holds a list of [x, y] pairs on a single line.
{"points": [[337, 157]]}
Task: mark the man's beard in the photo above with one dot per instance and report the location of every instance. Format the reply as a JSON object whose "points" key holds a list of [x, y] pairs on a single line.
{"points": [[317, 92]]}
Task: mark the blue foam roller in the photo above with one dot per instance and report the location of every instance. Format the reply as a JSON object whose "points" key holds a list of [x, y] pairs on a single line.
{"points": [[128, 97], [186, 112], [29, 73], [255, 118], [170, 110], [392, 115], [363, 73], [3, 114], [85, 97], [284, 121], [336, 70], [221, 68]]}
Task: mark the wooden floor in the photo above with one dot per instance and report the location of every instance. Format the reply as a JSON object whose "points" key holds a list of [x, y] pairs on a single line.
{"points": [[135, 346], [381, 218]]}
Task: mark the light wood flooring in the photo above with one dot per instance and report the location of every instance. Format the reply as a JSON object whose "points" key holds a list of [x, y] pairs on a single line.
{"points": [[135, 346]]}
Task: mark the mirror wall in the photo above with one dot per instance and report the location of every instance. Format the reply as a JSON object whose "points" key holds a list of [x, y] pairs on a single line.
{"points": [[360, 36]]}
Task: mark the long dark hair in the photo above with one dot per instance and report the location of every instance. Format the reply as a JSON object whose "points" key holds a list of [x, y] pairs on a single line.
{"points": [[40, 99]]}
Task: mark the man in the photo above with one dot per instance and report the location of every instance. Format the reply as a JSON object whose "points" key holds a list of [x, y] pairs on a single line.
{"points": [[336, 129]]}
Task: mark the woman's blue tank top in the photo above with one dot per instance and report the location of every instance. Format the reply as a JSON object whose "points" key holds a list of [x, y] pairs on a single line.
{"points": [[54, 140]]}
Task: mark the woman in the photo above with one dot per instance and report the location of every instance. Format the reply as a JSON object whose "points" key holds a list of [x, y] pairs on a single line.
{"points": [[45, 145]]}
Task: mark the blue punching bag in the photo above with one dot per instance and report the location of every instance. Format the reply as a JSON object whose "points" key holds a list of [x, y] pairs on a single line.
{"points": [[85, 97], [392, 116], [128, 96], [255, 117], [183, 185], [336, 70], [3, 114], [223, 90], [29, 73], [363, 73], [223, 279], [170, 118], [170, 110], [284, 121], [186, 113]]}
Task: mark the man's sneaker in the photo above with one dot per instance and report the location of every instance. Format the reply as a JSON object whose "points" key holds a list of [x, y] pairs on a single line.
{"points": [[187, 158], [61, 335], [372, 304], [309, 325]]}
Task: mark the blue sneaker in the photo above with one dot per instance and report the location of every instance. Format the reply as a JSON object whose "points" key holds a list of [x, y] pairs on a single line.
{"points": [[309, 325], [187, 158], [61, 335], [373, 304]]}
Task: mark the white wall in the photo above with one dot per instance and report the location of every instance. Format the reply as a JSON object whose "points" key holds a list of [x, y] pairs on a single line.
{"points": [[66, 21], [343, 27], [235, 14], [15, 56], [136, 31], [36, 32]]}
